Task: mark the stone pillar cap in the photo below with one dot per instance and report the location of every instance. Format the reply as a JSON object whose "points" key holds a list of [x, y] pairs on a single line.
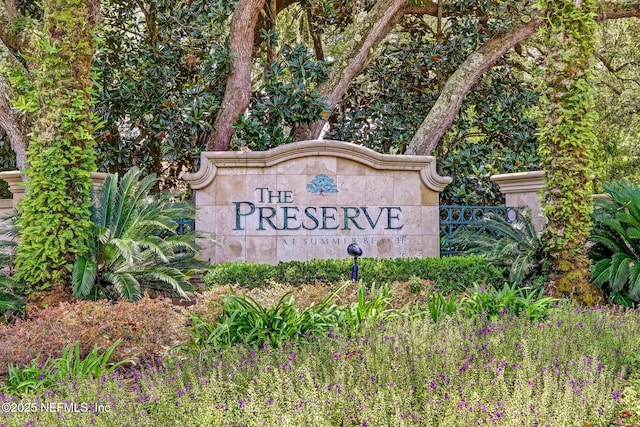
{"points": [[520, 182]]}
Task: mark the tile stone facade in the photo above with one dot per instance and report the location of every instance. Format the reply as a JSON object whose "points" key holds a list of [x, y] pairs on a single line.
{"points": [[311, 199]]}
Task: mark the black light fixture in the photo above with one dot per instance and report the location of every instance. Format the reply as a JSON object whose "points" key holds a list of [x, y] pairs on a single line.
{"points": [[355, 251]]}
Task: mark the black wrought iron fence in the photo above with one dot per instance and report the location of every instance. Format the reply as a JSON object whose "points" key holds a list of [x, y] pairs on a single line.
{"points": [[456, 218], [186, 225]]}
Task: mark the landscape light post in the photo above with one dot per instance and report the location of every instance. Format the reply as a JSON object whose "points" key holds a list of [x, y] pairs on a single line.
{"points": [[355, 251]]}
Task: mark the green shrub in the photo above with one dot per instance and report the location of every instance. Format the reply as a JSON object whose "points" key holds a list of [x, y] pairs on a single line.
{"points": [[515, 245], [244, 320], [439, 307], [494, 303], [366, 310], [247, 274], [316, 270], [448, 274], [617, 248], [415, 285]]}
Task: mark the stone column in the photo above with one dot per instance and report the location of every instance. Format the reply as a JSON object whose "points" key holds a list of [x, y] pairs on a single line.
{"points": [[97, 178], [523, 189], [17, 187]]}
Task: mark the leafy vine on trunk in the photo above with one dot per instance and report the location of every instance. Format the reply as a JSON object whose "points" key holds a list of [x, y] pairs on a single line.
{"points": [[566, 140], [55, 222]]}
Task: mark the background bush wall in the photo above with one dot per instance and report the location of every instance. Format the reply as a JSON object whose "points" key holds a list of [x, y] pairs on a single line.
{"points": [[448, 274]]}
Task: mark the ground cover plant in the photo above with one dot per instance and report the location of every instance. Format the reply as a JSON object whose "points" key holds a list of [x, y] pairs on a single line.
{"points": [[568, 369], [244, 320], [71, 364]]}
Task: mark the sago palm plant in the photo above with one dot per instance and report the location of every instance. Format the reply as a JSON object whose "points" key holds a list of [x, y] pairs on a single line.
{"points": [[10, 298], [515, 245], [136, 248], [616, 243]]}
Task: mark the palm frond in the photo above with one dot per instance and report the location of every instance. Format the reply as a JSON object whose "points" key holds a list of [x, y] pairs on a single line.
{"points": [[102, 212], [123, 248], [125, 285], [83, 276], [171, 277], [600, 272], [616, 241], [9, 301], [122, 203], [137, 246], [158, 247], [515, 245], [134, 199]]}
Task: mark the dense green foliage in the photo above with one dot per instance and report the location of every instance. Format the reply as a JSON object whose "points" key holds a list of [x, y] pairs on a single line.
{"points": [[492, 133], [448, 274], [516, 301], [437, 306], [287, 98], [135, 247], [244, 320], [161, 68], [514, 245], [370, 308], [54, 220], [158, 89], [617, 100], [616, 251]]}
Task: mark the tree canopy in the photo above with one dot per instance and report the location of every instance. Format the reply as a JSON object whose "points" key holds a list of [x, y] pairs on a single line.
{"points": [[450, 78]]}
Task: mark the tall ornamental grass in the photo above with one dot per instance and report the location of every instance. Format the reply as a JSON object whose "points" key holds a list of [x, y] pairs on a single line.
{"points": [[567, 370]]}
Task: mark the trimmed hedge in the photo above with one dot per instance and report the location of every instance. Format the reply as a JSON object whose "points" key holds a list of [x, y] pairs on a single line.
{"points": [[454, 273]]}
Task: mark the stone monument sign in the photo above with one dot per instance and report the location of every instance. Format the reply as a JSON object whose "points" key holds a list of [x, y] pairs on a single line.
{"points": [[311, 199]]}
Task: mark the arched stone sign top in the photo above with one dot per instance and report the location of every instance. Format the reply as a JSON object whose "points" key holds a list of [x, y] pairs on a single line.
{"points": [[311, 199]]}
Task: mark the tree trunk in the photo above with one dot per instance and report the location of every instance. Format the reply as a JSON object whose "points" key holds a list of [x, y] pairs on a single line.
{"points": [[566, 140], [238, 91], [56, 211], [369, 33], [12, 122], [619, 9], [446, 108], [315, 36], [14, 126]]}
